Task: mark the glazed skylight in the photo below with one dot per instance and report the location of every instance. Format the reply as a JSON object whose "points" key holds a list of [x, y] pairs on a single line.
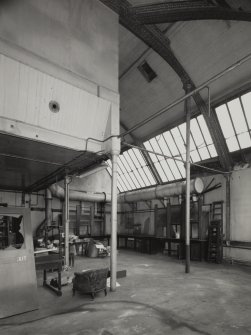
{"points": [[172, 144], [133, 172], [235, 121]]}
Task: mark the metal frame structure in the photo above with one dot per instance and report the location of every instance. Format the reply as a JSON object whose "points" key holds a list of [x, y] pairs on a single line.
{"points": [[154, 38], [174, 11], [133, 171]]}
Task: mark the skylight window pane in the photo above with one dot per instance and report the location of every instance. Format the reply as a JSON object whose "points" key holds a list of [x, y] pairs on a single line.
{"points": [[138, 154], [225, 122], [134, 159], [130, 181], [237, 116], [166, 169], [182, 128], [149, 175], [195, 156], [178, 140], [212, 150], [134, 179], [120, 172], [181, 168], [195, 130], [131, 174], [139, 178], [164, 147], [153, 158], [123, 184], [121, 165], [204, 153], [246, 101], [149, 147], [124, 174], [174, 168], [155, 145], [125, 162], [121, 189], [204, 129], [172, 146], [244, 140], [144, 177], [161, 172], [232, 144], [192, 144], [129, 161], [169, 174]]}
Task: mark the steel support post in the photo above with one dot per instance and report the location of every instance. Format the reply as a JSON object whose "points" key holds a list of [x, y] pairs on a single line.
{"points": [[66, 220], [114, 223], [115, 150], [188, 117], [228, 209]]}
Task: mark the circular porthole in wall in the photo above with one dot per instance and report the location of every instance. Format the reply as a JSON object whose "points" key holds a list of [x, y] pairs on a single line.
{"points": [[54, 106]]}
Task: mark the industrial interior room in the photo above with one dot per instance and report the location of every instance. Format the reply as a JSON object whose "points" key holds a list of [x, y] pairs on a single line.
{"points": [[125, 174]]}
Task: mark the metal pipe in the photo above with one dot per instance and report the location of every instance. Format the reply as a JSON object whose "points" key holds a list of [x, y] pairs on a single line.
{"points": [[114, 223], [175, 159], [30, 159], [188, 118], [176, 102], [162, 191], [155, 192], [66, 220], [59, 192]]}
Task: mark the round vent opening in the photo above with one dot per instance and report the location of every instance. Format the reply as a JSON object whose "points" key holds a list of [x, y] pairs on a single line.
{"points": [[54, 106]]}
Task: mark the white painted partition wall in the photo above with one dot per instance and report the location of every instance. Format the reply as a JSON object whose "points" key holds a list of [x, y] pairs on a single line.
{"points": [[25, 94]]}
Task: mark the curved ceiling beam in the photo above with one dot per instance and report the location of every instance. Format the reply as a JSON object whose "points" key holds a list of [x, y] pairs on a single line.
{"points": [[150, 35], [186, 11], [155, 39]]}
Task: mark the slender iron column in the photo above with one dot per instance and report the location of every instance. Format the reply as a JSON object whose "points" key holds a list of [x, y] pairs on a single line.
{"points": [[114, 223], [115, 150], [66, 220], [228, 209], [188, 117]]}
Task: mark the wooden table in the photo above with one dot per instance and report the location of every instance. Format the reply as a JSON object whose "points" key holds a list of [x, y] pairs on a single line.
{"points": [[50, 262]]}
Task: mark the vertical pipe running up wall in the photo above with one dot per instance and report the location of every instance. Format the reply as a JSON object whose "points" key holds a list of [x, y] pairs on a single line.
{"points": [[188, 118], [114, 223], [66, 219]]}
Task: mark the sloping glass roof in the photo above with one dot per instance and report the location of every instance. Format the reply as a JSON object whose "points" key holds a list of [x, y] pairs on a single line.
{"points": [[133, 171], [235, 121], [173, 144]]}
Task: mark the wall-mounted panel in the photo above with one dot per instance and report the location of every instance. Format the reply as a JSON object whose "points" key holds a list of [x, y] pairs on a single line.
{"points": [[25, 94]]}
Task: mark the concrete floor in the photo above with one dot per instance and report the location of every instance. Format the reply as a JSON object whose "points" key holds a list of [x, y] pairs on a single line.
{"points": [[156, 297]]}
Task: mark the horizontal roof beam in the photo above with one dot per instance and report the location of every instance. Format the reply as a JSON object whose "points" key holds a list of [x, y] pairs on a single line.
{"points": [[165, 12]]}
